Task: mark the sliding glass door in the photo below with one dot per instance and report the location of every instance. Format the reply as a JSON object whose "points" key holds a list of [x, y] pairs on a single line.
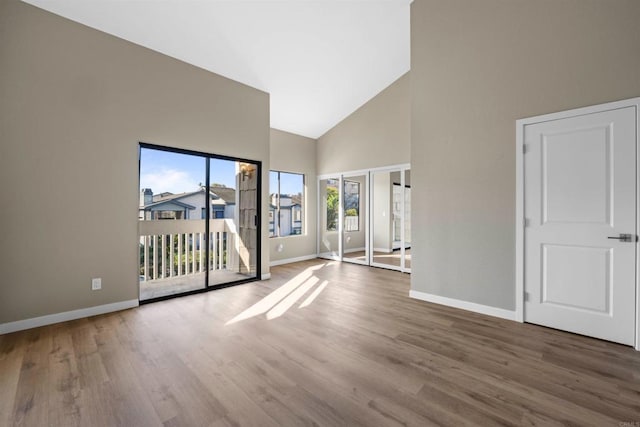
{"points": [[199, 225], [172, 232]]}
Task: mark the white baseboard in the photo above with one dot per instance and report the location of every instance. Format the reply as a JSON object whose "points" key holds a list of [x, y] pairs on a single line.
{"points": [[290, 260], [50, 319], [348, 251], [265, 276], [465, 305], [383, 250]]}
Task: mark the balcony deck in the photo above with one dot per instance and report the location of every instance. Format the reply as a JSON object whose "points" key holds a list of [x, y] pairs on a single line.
{"points": [[150, 289]]}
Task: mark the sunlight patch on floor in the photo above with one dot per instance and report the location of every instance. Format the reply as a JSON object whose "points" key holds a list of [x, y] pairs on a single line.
{"points": [[291, 299], [282, 299], [315, 293]]}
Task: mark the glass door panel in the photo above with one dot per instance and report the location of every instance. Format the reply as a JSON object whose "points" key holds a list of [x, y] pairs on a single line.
{"points": [[172, 223], [407, 220], [329, 218], [233, 221], [354, 211], [386, 219]]}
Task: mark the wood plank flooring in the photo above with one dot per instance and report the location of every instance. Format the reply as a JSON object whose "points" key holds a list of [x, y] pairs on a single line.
{"points": [[322, 343]]}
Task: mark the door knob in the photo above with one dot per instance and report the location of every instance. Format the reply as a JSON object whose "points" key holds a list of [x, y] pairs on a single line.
{"points": [[624, 237]]}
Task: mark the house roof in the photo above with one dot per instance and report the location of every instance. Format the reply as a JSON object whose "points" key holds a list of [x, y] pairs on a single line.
{"points": [[163, 197], [225, 193], [154, 205]]}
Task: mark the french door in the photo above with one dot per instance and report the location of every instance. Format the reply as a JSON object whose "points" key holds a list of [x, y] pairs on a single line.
{"points": [[355, 218], [199, 222], [364, 217]]}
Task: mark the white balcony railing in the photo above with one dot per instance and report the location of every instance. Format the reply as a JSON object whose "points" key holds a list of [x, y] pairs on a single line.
{"points": [[178, 248], [351, 223]]}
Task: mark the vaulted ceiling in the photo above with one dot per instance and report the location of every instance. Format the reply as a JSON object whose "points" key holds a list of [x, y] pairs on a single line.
{"points": [[319, 59]]}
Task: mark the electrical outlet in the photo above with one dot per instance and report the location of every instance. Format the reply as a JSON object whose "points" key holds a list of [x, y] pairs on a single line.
{"points": [[96, 284]]}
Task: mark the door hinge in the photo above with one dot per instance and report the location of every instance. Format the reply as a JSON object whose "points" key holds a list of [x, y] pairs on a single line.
{"points": [[526, 222], [526, 296], [525, 148]]}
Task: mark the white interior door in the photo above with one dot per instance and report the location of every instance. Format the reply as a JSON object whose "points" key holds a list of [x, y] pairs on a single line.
{"points": [[580, 197]]}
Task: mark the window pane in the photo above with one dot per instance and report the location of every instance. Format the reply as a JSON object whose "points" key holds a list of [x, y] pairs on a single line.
{"points": [[286, 209], [273, 202], [332, 204]]}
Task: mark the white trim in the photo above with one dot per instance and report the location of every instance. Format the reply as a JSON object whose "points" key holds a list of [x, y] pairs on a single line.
{"points": [[520, 124], [290, 260], [637, 344], [265, 276], [519, 293], [50, 319], [367, 225], [403, 194], [632, 102], [392, 168], [341, 216], [464, 305], [318, 208]]}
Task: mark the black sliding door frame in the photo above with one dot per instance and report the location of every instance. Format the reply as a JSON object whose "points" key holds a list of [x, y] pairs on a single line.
{"points": [[258, 220]]}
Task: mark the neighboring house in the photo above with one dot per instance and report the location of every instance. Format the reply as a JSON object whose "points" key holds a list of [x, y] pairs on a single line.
{"points": [[187, 205], [290, 218]]}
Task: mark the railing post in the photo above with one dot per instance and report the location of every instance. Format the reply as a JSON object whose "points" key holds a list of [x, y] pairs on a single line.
{"points": [[171, 273], [214, 251], [193, 252], [202, 242], [180, 254], [220, 251], [164, 256], [145, 249], [155, 256], [230, 250]]}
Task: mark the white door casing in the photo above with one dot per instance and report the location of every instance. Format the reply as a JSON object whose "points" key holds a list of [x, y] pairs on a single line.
{"points": [[580, 190]]}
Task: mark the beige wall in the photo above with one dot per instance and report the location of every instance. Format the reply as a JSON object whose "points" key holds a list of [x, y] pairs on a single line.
{"points": [[74, 103], [476, 68], [295, 153], [375, 135]]}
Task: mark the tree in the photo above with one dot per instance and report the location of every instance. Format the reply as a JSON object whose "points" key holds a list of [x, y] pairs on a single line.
{"points": [[332, 208]]}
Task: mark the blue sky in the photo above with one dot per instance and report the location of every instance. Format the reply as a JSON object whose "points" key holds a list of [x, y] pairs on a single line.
{"points": [[290, 183], [164, 171]]}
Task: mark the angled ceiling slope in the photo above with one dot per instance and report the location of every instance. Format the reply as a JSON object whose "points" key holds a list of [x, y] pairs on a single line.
{"points": [[319, 59]]}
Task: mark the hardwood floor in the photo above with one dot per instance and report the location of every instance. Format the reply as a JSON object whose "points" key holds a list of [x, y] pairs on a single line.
{"points": [[322, 343]]}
